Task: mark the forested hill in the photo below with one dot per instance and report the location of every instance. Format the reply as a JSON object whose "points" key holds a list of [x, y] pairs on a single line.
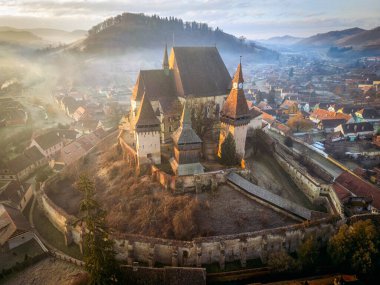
{"points": [[136, 31]]}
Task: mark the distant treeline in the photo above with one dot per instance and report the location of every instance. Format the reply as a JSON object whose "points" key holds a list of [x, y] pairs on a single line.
{"points": [[129, 30], [153, 22]]}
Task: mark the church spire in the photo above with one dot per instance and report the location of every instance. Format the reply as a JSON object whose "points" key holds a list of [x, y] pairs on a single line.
{"points": [[238, 80], [165, 62], [186, 116]]}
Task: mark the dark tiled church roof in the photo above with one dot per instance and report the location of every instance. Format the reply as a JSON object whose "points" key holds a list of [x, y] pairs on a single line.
{"points": [[199, 71], [194, 72], [235, 107], [155, 84], [146, 119], [170, 106]]}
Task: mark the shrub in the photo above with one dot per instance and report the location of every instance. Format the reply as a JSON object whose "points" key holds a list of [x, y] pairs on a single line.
{"points": [[228, 151], [288, 141], [308, 253], [282, 262], [355, 246]]}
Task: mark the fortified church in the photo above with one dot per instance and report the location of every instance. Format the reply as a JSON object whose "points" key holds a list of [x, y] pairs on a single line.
{"points": [[160, 119]]}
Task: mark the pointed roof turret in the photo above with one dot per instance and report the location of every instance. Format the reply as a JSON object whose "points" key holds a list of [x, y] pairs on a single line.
{"points": [[186, 117], [146, 119], [235, 109], [185, 134], [165, 62], [238, 77]]}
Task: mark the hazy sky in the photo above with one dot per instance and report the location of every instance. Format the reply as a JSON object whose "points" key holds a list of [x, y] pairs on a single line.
{"points": [[254, 19]]}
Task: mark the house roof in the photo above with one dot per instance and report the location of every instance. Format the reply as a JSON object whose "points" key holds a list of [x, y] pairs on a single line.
{"points": [[281, 127], [321, 114], [100, 133], [199, 71], [34, 154], [73, 151], [263, 105], [13, 192], [331, 123], [67, 134], [349, 182], [255, 112], [87, 124], [146, 118], [369, 113], [47, 140], [268, 118], [12, 222], [185, 133], [357, 127], [79, 113], [70, 103], [287, 104], [19, 163]]}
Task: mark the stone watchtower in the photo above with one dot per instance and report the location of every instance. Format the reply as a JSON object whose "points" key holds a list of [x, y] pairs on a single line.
{"points": [[235, 115], [147, 134], [187, 147]]}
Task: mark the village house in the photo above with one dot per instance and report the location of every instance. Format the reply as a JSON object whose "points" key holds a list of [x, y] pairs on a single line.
{"points": [[264, 106], [320, 114], [80, 114], [16, 194], [24, 164], [289, 107], [256, 119], [14, 228], [49, 143], [329, 125], [371, 115], [12, 113], [349, 185], [69, 105], [356, 130]]}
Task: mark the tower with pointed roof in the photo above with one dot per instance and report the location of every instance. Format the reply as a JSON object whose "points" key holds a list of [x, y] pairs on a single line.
{"points": [[235, 115], [187, 147], [147, 134], [165, 62]]}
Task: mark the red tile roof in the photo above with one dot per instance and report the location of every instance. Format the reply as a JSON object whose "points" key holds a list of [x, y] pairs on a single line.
{"points": [[347, 182], [322, 114]]}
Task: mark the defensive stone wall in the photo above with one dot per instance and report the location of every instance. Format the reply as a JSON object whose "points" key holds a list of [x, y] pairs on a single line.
{"points": [[200, 251], [315, 189], [222, 249], [59, 218]]}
